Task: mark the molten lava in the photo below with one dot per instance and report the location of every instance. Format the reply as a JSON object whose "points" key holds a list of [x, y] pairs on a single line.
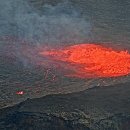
{"points": [[92, 60], [20, 92]]}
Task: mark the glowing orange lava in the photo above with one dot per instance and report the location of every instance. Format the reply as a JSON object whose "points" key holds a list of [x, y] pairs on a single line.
{"points": [[20, 92], [92, 60]]}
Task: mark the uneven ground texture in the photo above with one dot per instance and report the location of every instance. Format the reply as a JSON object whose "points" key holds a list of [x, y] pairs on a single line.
{"points": [[18, 73], [99, 108], [77, 105], [37, 81]]}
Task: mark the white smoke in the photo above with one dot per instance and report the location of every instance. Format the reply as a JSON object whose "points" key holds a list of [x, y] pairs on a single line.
{"points": [[62, 23]]}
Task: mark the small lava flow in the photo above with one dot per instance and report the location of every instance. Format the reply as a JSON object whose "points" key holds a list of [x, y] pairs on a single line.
{"points": [[92, 60]]}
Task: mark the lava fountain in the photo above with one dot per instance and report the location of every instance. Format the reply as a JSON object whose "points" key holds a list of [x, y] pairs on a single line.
{"points": [[92, 60]]}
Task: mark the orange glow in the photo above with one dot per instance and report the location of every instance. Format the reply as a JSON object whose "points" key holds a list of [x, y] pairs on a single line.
{"points": [[92, 60]]}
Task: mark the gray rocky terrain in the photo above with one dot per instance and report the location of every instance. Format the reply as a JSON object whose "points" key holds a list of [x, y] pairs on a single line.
{"points": [[99, 108], [50, 100]]}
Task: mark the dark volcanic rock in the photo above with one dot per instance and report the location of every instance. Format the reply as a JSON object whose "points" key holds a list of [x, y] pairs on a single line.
{"points": [[41, 121], [104, 108]]}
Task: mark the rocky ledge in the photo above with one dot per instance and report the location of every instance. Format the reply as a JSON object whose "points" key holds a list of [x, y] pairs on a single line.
{"points": [[100, 108]]}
